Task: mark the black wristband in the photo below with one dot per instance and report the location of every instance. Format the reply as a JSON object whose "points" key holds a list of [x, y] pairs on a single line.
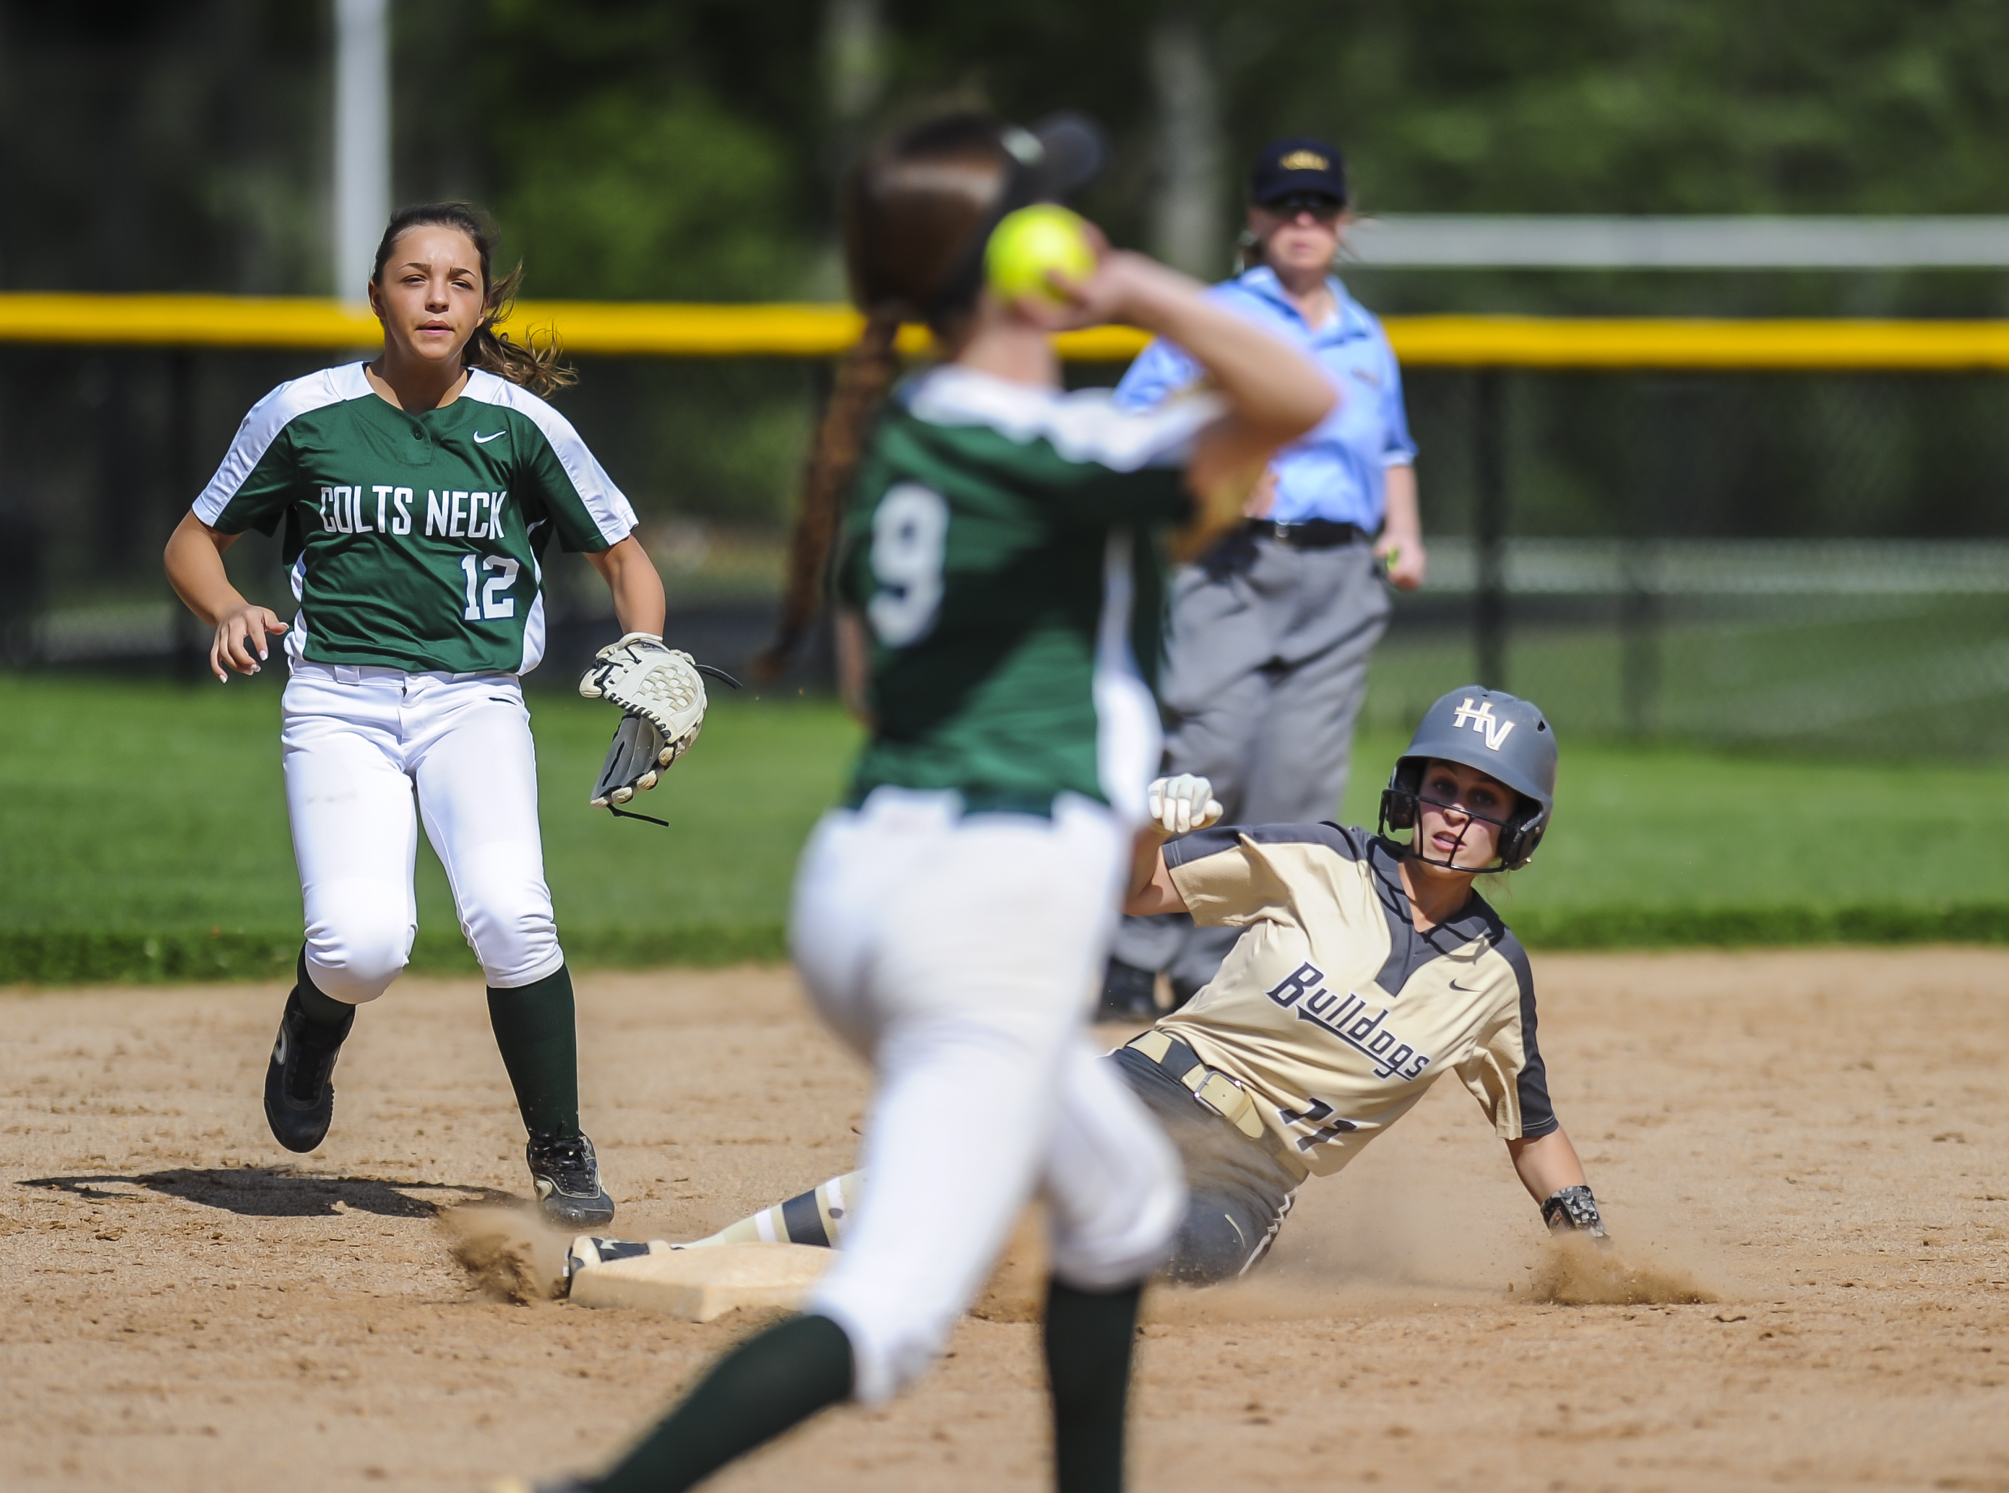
{"points": [[1573, 1210]]}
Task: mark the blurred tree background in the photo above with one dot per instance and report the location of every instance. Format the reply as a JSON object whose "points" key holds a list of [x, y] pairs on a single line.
{"points": [[687, 150], [637, 149]]}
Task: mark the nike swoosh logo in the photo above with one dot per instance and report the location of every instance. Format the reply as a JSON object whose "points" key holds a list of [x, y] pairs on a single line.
{"points": [[483, 440], [1464, 989]]}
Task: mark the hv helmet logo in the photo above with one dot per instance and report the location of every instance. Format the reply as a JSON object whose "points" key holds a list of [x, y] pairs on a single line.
{"points": [[1484, 722]]}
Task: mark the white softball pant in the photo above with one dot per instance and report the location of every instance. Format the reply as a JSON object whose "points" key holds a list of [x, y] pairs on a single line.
{"points": [[959, 954], [357, 743]]}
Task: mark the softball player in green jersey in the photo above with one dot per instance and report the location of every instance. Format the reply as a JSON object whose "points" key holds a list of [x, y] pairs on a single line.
{"points": [[1366, 970], [417, 493], [996, 582]]}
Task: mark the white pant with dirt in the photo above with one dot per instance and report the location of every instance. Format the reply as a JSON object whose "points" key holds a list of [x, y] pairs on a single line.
{"points": [[359, 743], [958, 953]]}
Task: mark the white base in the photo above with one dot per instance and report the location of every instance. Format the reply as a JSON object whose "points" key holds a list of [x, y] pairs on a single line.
{"points": [[696, 1285]]}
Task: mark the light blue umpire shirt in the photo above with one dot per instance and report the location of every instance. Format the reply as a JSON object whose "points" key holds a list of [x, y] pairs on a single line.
{"points": [[1335, 472]]}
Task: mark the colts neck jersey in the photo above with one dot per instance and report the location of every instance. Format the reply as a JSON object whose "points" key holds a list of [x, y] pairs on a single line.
{"points": [[1332, 1010], [414, 537], [998, 546]]}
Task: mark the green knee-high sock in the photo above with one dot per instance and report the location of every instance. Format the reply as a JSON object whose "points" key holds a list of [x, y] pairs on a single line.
{"points": [[322, 1010], [1088, 1338], [538, 1034], [760, 1389]]}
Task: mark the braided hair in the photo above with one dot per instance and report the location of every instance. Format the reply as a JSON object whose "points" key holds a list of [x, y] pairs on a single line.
{"points": [[911, 210]]}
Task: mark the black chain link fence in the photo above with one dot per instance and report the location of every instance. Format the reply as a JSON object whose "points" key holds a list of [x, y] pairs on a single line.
{"points": [[1812, 561], [103, 449], [1808, 561]]}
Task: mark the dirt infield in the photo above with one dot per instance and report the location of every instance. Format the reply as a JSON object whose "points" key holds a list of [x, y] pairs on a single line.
{"points": [[1819, 1141]]}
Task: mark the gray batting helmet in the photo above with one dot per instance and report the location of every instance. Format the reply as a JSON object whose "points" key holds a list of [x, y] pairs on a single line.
{"points": [[1500, 735]]}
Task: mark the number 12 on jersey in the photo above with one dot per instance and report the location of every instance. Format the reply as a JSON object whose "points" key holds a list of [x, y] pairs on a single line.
{"points": [[489, 602], [910, 533]]}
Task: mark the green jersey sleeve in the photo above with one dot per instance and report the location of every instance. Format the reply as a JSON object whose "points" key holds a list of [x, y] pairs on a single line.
{"points": [[1089, 492], [1081, 454], [259, 476], [558, 478]]}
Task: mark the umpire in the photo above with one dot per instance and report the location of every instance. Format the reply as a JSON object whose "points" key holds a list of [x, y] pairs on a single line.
{"points": [[1271, 632]]}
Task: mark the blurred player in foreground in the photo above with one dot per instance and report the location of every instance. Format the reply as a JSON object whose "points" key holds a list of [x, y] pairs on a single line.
{"points": [[417, 492], [997, 579], [1365, 970]]}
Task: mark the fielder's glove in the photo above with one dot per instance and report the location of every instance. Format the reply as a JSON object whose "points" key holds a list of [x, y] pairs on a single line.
{"points": [[663, 700], [1183, 804]]}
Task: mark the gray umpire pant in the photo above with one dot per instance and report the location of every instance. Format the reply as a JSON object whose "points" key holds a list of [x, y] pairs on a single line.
{"points": [[1265, 676]]}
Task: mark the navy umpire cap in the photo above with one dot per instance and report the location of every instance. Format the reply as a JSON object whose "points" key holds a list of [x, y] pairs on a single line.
{"points": [[1298, 166], [1501, 735]]}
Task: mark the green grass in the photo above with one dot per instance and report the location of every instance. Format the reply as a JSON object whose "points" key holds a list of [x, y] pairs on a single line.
{"points": [[1670, 845], [1920, 679], [148, 815], [143, 835]]}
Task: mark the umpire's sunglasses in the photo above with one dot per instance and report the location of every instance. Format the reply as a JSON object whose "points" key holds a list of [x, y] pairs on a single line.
{"points": [[1324, 209]]}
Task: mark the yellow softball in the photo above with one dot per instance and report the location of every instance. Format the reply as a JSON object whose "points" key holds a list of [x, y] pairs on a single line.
{"points": [[1032, 241]]}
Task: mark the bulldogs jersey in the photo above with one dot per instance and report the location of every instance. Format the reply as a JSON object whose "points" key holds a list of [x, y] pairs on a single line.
{"points": [[1332, 1010]]}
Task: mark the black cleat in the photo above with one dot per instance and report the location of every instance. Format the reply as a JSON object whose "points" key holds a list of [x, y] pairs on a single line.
{"points": [[567, 1179], [299, 1098], [1128, 993]]}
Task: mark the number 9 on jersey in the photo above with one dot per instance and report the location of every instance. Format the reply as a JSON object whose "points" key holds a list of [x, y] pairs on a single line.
{"points": [[910, 533]]}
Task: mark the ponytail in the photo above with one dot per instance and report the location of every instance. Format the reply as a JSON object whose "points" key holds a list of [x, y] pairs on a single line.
{"points": [[862, 380], [916, 214], [533, 366]]}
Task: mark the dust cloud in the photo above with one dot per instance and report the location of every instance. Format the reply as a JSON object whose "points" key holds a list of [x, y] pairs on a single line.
{"points": [[508, 1253]]}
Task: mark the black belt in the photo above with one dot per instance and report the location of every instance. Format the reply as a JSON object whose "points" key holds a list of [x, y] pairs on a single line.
{"points": [[1312, 534]]}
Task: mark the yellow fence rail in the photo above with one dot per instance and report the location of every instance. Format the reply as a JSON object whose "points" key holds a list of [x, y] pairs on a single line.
{"points": [[819, 331]]}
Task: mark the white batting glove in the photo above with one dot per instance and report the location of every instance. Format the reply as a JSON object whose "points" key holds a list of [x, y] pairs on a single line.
{"points": [[1183, 804]]}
